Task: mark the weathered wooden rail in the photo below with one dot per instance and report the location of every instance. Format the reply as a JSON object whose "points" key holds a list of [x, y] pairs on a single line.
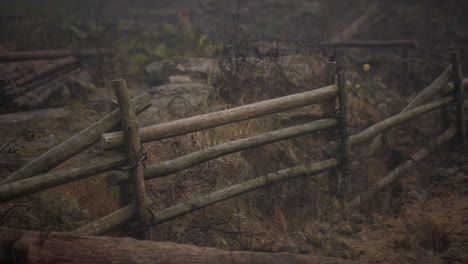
{"points": [[133, 198]]}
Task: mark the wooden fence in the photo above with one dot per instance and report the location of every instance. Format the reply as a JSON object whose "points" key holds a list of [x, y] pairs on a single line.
{"points": [[131, 180]]}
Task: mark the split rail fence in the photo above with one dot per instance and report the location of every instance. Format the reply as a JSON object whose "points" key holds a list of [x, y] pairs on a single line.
{"points": [[447, 89]]}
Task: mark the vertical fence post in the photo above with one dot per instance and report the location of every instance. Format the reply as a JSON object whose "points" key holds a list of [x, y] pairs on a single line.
{"points": [[457, 78], [345, 150], [387, 135], [329, 109], [135, 153]]}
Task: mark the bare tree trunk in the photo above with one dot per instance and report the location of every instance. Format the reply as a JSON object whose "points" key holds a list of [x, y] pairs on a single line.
{"points": [[19, 246]]}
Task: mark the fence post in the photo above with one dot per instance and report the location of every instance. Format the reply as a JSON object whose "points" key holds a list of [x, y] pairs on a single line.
{"points": [[329, 109], [387, 135], [457, 78], [135, 154], [345, 149]]}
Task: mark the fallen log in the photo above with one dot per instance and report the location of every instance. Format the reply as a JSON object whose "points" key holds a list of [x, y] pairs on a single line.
{"points": [[197, 123], [125, 214], [19, 246], [372, 44], [418, 156], [38, 72], [52, 54], [195, 158], [10, 191], [39, 95], [75, 144]]}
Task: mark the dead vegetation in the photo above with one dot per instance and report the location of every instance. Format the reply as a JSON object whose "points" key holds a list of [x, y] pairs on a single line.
{"points": [[298, 216]]}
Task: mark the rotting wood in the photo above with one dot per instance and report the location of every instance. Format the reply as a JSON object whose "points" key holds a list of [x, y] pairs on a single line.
{"points": [[435, 87], [457, 78], [133, 149], [418, 156], [45, 181], [210, 120], [55, 247], [41, 71], [75, 144], [39, 95], [390, 122], [125, 214], [195, 158], [372, 44], [52, 54]]}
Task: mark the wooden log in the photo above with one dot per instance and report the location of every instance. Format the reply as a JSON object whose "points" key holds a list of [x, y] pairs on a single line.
{"points": [[345, 151], [52, 54], [390, 122], [457, 78], [195, 158], [435, 87], [39, 95], [10, 191], [41, 71], [134, 149], [372, 44], [18, 246], [122, 215], [108, 222], [372, 16], [197, 123], [75, 144], [329, 108], [418, 156]]}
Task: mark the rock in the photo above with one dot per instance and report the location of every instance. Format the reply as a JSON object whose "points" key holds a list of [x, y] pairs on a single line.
{"points": [[179, 79], [346, 230], [165, 95], [314, 240], [193, 68]]}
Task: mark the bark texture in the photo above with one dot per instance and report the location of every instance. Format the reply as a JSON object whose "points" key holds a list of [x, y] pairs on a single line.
{"points": [[33, 247], [197, 123], [195, 158]]}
